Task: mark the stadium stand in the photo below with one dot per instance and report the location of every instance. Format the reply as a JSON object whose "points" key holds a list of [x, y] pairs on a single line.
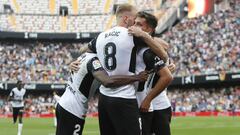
{"points": [[207, 44], [83, 16], [35, 62], [204, 45], [189, 100], [52, 24], [75, 6]]}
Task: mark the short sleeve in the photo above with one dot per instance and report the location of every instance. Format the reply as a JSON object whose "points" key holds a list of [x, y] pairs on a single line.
{"points": [[152, 61], [92, 45], [94, 65]]}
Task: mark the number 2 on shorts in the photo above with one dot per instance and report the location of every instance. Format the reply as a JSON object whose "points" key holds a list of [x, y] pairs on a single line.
{"points": [[77, 129]]}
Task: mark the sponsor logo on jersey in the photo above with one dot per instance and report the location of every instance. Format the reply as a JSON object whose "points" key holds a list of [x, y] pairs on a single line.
{"points": [[96, 64]]}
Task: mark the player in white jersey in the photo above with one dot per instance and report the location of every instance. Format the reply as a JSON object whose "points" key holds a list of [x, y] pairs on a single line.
{"points": [[17, 101], [116, 50], [72, 107], [148, 60]]}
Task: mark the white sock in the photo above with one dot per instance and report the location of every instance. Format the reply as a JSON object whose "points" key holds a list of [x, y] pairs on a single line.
{"points": [[55, 121], [20, 125]]}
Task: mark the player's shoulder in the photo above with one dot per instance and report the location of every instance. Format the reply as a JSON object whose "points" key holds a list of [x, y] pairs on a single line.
{"points": [[90, 56], [23, 89], [148, 52], [14, 89], [142, 50]]}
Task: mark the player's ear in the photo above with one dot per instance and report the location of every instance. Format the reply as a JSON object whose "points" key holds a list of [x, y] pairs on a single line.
{"points": [[125, 19]]}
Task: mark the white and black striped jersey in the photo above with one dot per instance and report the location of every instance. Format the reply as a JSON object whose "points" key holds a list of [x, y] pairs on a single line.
{"points": [[17, 97], [147, 60], [116, 51], [161, 101], [75, 98]]}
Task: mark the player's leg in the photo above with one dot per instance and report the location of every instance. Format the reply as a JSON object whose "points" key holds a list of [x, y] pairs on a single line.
{"points": [[20, 121], [55, 117], [146, 118], [105, 124], [161, 121], [15, 114], [67, 123], [125, 117]]}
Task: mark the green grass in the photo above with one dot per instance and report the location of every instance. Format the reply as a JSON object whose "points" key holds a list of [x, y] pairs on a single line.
{"points": [[180, 126]]}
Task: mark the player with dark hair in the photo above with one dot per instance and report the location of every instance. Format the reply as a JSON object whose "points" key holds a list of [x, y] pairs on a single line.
{"points": [[17, 101], [155, 108], [72, 107]]}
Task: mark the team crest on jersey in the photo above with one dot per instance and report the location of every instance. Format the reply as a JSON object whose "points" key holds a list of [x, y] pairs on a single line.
{"points": [[96, 64]]}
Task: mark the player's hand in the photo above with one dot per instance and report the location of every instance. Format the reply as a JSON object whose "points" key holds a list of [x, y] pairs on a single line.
{"points": [[172, 67], [145, 105], [74, 66], [143, 76], [136, 31]]}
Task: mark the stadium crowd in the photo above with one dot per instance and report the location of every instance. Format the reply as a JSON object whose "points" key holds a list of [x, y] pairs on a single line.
{"points": [[187, 100], [207, 44], [203, 45], [202, 100], [36, 62]]}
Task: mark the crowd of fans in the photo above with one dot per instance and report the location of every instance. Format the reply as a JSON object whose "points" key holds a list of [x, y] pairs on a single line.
{"points": [[204, 45], [187, 100], [36, 62], [203, 100], [207, 44]]}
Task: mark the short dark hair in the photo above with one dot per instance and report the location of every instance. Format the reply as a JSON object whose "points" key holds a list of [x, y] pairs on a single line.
{"points": [[151, 20]]}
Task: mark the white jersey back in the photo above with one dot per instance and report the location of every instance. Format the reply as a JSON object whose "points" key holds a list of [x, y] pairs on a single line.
{"points": [[115, 49], [75, 98], [17, 96]]}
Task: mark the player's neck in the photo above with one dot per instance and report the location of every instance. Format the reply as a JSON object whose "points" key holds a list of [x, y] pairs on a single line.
{"points": [[122, 24]]}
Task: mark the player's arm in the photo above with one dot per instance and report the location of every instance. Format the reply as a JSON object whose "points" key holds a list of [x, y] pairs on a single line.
{"points": [[172, 67], [118, 80], [101, 75], [9, 98], [74, 66], [165, 78], [155, 46]]}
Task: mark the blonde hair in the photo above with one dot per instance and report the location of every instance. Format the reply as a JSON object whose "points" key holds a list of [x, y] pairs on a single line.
{"points": [[124, 8]]}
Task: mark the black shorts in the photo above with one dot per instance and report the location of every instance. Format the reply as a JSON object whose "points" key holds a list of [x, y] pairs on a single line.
{"points": [[17, 111], [118, 116], [146, 118], [67, 123], [161, 121]]}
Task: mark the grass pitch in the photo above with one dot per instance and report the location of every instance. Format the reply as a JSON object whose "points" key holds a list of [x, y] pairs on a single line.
{"points": [[180, 126]]}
